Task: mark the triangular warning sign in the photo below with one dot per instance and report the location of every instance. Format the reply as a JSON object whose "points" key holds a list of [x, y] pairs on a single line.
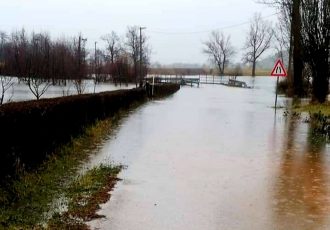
{"points": [[279, 70]]}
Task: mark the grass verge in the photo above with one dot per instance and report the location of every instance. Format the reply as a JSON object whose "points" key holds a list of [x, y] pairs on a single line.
{"points": [[85, 194], [314, 108], [25, 203], [319, 117]]}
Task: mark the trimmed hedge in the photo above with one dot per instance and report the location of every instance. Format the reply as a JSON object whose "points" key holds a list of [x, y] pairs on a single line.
{"points": [[161, 90], [31, 130]]}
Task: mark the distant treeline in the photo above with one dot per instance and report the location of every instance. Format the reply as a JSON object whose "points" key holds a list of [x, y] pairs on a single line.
{"points": [[236, 70], [179, 71], [37, 55]]}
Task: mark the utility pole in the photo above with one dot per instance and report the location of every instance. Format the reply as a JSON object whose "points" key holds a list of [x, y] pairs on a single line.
{"points": [[95, 61], [79, 57], [80, 74], [141, 28]]}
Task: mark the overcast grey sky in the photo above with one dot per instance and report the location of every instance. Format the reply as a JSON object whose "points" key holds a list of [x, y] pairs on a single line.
{"points": [[176, 28]]}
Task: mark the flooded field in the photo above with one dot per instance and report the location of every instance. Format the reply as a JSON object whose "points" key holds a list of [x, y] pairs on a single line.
{"points": [[217, 157], [21, 92]]}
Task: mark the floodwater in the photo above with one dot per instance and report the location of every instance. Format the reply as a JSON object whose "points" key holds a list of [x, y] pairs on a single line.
{"points": [[21, 92], [216, 157]]}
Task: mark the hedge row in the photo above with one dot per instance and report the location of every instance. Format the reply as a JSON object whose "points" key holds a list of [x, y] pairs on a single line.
{"points": [[165, 89], [30, 130], [33, 129]]}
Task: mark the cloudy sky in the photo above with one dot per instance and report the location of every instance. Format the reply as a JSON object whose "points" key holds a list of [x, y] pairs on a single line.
{"points": [[176, 28]]}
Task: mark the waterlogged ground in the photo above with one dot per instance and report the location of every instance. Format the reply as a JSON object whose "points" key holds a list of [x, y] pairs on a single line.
{"points": [[21, 92], [217, 158]]}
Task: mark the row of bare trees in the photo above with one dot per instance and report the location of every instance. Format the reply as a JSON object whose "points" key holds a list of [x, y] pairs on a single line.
{"points": [[39, 61], [302, 34], [306, 25], [37, 56], [124, 59], [258, 40]]}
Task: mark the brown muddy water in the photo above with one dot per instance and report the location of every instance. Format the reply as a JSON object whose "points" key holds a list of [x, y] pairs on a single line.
{"points": [[216, 157]]}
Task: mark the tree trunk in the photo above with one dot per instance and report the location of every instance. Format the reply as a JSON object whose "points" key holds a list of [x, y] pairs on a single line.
{"points": [[223, 66], [2, 96], [220, 69], [254, 68], [297, 50], [320, 83], [290, 75], [135, 74]]}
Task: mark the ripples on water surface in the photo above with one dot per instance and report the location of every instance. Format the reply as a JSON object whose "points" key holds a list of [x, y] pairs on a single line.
{"points": [[216, 157]]}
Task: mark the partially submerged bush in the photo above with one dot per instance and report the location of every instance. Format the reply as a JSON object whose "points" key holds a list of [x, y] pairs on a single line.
{"points": [[320, 123]]}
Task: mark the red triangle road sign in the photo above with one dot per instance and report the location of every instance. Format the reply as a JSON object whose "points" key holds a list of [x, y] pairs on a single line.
{"points": [[279, 70]]}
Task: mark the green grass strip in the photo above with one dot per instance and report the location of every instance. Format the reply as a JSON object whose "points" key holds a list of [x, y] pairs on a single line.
{"points": [[314, 108], [85, 194], [24, 205]]}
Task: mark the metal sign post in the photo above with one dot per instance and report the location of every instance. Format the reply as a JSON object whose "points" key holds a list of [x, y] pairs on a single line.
{"points": [[278, 71], [276, 92]]}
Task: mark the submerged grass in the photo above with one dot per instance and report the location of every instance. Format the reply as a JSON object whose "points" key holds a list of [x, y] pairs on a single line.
{"points": [[23, 205], [319, 117], [85, 194], [314, 108]]}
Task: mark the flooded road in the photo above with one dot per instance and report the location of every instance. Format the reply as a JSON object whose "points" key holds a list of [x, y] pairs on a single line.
{"points": [[216, 157]]}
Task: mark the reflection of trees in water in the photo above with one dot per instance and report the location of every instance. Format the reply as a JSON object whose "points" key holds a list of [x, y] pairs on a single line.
{"points": [[300, 200]]}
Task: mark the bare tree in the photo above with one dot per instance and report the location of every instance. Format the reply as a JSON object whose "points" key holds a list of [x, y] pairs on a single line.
{"points": [[113, 45], [97, 62], [219, 49], [20, 54], [316, 43], [282, 39], [257, 41], [298, 64], [38, 86], [39, 64], [236, 71], [132, 44], [80, 58], [80, 85], [134, 51], [113, 52], [3, 40], [291, 10], [37, 60], [5, 82], [309, 43]]}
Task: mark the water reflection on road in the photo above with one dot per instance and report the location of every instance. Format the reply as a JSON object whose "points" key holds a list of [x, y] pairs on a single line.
{"points": [[217, 158], [301, 188]]}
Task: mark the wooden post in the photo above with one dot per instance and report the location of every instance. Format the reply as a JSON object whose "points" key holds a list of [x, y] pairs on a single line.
{"points": [[153, 85]]}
